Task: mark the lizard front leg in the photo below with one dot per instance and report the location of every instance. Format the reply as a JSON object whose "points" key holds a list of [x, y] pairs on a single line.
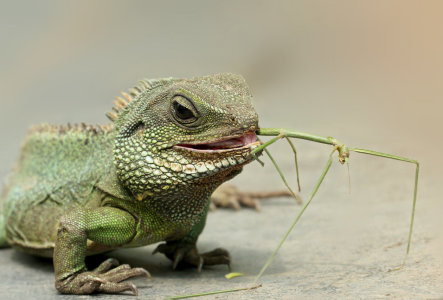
{"points": [[107, 226], [184, 250]]}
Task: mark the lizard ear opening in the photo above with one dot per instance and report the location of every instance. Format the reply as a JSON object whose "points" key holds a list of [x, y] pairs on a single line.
{"points": [[139, 129], [134, 128]]}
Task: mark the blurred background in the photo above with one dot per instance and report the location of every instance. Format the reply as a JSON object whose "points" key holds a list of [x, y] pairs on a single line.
{"points": [[369, 73]]}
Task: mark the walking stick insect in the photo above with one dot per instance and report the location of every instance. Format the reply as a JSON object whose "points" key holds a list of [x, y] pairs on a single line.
{"points": [[343, 156]]}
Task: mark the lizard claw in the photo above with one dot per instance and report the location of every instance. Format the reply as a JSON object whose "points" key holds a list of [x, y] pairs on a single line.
{"points": [[178, 256], [156, 250], [200, 264]]}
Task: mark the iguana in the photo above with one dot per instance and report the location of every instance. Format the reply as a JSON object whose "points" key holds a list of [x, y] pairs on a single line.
{"points": [[146, 178]]}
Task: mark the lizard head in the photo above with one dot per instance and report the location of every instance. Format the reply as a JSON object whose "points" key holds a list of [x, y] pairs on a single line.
{"points": [[175, 132]]}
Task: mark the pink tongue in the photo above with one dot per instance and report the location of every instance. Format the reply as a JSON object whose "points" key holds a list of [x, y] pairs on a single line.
{"points": [[249, 138]]}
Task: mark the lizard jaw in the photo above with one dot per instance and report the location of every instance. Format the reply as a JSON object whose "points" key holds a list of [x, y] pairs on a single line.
{"points": [[248, 140]]}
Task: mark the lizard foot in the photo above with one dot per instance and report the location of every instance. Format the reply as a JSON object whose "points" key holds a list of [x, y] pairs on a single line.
{"points": [[181, 253], [102, 279], [228, 196]]}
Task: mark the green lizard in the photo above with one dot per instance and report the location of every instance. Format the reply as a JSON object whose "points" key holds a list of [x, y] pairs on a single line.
{"points": [[147, 177]]}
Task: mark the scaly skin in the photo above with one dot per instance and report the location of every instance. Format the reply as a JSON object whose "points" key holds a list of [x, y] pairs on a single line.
{"points": [[82, 190]]}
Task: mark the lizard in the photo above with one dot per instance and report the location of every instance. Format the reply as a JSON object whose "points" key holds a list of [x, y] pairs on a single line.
{"points": [[147, 177]]}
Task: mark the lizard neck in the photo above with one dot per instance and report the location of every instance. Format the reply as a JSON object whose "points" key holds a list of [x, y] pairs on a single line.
{"points": [[109, 181]]}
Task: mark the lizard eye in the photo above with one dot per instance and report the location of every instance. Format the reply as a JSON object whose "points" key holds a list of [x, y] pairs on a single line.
{"points": [[183, 110]]}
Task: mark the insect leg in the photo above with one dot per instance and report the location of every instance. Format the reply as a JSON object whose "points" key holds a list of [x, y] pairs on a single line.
{"points": [[417, 168], [296, 196], [296, 162], [314, 191]]}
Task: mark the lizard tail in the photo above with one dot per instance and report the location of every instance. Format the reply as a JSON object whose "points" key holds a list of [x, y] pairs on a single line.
{"points": [[265, 195], [3, 242]]}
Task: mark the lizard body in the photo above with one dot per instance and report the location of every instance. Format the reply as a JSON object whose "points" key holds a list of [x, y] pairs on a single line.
{"points": [[148, 177]]}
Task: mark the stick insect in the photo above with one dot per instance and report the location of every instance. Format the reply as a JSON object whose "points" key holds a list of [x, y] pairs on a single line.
{"points": [[343, 157]]}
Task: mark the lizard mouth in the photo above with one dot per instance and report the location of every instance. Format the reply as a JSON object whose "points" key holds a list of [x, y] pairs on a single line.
{"points": [[248, 140]]}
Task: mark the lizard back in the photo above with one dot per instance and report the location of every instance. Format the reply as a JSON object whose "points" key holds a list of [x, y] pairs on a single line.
{"points": [[58, 168]]}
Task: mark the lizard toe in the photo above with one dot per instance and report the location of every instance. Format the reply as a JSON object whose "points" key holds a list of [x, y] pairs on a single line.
{"points": [[106, 266]]}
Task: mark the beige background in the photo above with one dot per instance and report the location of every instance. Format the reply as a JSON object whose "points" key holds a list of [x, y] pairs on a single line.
{"points": [[366, 72]]}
